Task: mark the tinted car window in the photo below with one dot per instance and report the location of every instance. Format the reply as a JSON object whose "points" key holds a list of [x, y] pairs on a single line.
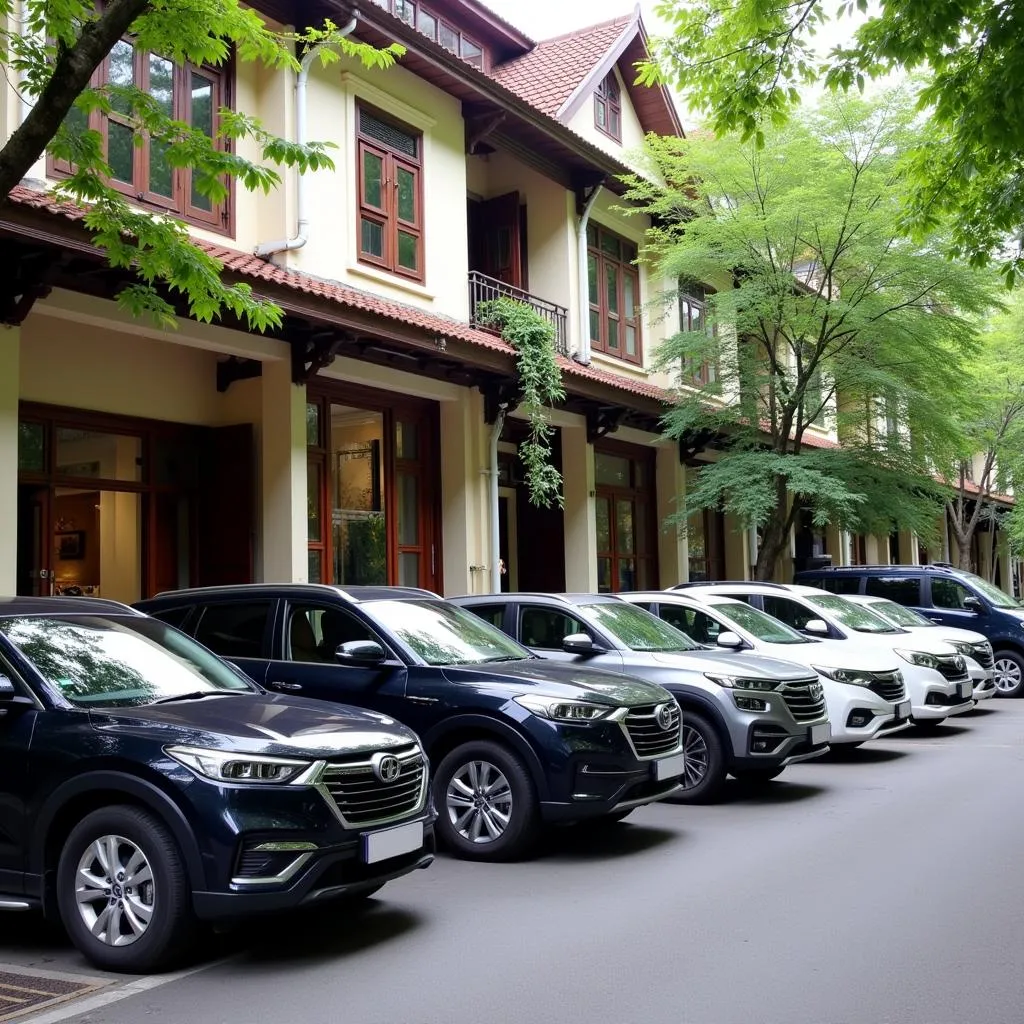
{"points": [[316, 632], [172, 616], [492, 613], [764, 627], [789, 612], [948, 594], [546, 628], [637, 629], [901, 589], [696, 625], [234, 629]]}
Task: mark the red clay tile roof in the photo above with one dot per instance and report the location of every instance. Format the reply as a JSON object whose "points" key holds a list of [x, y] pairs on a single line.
{"points": [[547, 75]]}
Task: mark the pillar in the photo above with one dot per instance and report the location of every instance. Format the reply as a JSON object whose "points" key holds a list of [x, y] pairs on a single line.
{"points": [[283, 477], [10, 351], [580, 518], [465, 510], [875, 550], [908, 547], [671, 500], [736, 567]]}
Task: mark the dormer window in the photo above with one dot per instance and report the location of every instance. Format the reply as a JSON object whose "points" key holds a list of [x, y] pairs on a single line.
{"points": [[608, 107]]}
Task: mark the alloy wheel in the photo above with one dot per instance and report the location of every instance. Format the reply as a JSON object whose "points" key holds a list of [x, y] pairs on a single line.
{"points": [[479, 802], [1007, 675], [115, 891], [696, 750]]}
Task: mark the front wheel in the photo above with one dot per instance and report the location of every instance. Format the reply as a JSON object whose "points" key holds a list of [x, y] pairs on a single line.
{"points": [[122, 891], [757, 776], [487, 807], [704, 774], [1008, 674]]}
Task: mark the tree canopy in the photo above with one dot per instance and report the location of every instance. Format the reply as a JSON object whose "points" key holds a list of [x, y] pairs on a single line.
{"points": [[828, 317], [748, 63], [52, 54]]}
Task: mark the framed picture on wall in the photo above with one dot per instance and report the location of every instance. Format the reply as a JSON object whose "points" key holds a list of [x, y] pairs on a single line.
{"points": [[71, 545]]}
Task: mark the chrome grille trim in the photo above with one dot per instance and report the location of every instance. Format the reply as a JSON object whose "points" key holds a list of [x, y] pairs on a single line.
{"points": [[953, 668], [360, 800], [646, 737], [982, 654], [889, 686], [803, 705]]}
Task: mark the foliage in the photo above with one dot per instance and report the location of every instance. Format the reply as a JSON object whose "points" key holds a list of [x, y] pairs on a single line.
{"points": [[54, 50], [749, 63], [540, 382], [829, 318]]}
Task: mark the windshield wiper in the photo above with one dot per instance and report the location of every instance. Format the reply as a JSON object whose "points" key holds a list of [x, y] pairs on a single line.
{"points": [[194, 695]]}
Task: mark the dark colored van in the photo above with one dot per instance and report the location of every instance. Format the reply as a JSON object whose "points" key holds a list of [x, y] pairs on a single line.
{"points": [[945, 595]]}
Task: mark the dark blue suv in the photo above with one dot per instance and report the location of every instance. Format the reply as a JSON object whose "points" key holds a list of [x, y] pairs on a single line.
{"points": [[145, 784], [945, 595], [515, 741]]}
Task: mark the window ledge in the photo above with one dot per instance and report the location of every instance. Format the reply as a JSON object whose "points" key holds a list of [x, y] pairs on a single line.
{"points": [[619, 364], [390, 280]]}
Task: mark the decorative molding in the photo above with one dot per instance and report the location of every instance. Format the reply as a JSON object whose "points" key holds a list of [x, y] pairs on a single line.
{"points": [[386, 101], [603, 420], [234, 369]]}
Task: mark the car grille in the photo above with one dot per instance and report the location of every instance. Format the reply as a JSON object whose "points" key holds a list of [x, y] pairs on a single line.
{"points": [[982, 654], [361, 798], [649, 738], [805, 700], [889, 686], [953, 668]]}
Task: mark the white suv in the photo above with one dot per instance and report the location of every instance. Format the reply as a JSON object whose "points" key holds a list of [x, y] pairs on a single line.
{"points": [[936, 676], [864, 689]]}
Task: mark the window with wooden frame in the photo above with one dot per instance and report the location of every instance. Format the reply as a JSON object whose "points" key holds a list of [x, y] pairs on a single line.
{"points": [[184, 92], [614, 294], [390, 196], [434, 27], [608, 107], [693, 318]]}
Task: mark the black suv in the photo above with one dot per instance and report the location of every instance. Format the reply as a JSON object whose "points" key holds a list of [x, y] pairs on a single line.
{"points": [[515, 740], [145, 783]]}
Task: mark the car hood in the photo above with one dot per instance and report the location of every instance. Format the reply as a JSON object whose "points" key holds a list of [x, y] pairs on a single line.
{"points": [[717, 663], [561, 680], [963, 636], [905, 641], [258, 724], [836, 654]]}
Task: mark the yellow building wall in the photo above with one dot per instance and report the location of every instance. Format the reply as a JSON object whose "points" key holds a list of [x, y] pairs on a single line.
{"points": [[632, 131]]}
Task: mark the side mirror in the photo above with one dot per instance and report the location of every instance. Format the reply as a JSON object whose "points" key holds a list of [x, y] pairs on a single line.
{"points": [[816, 626], [361, 652], [972, 604], [11, 702], [580, 643], [7, 690], [729, 639]]}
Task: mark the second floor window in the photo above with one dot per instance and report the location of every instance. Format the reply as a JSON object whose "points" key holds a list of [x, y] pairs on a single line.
{"points": [[608, 107], [138, 165], [614, 294], [693, 317], [390, 196]]}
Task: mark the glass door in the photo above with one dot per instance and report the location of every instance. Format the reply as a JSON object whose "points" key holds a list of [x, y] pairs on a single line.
{"points": [[625, 516]]}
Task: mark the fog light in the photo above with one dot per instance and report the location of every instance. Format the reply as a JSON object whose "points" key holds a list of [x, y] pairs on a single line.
{"points": [[750, 703], [858, 718]]}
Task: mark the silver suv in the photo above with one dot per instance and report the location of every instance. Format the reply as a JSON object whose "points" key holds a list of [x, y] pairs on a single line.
{"points": [[747, 720]]}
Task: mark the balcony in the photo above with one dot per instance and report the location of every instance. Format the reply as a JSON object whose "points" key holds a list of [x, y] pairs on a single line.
{"points": [[485, 289]]}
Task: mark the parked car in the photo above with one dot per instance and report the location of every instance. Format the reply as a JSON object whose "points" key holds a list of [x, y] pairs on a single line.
{"points": [[516, 741], [976, 650], [948, 596], [935, 675], [864, 690], [145, 784], [749, 721]]}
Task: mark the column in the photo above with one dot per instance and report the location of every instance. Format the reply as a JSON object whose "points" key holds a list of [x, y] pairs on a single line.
{"points": [[736, 567], [873, 551], [908, 548], [283, 477], [834, 544], [671, 500], [465, 510], [580, 518], [10, 351]]}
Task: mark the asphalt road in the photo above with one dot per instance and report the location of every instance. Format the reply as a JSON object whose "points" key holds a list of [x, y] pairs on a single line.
{"points": [[880, 887]]}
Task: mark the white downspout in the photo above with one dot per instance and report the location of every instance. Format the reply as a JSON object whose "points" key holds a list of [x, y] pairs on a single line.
{"points": [[583, 348], [495, 519], [301, 196]]}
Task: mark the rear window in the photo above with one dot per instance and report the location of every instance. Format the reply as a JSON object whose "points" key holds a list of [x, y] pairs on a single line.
{"points": [[843, 583], [172, 616], [234, 629], [901, 589]]}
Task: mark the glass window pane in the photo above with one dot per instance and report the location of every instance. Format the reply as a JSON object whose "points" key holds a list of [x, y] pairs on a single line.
{"points": [[408, 509], [202, 104], [592, 235], [31, 453], [628, 296], [546, 628], [406, 10], [624, 527], [610, 244], [120, 152], [604, 530], [161, 83], [314, 530], [90, 453], [408, 251], [615, 123], [427, 24], [611, 470], [406, 195], [373, 180], [599, 108], [407, 440], [612, 287], [472, 53], [234, 629], [316, 566], [613, 333], [595, 325], [592, 278], [372, 238], [161, 174], [640, 527], [449, 38], [901, 589], [627, 574], [122, 71], [408, 569], [313, 424], [630, 341], [604, 575]]}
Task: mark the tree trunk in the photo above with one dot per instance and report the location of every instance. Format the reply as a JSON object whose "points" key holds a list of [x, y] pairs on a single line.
{"points": [[775, 537]]}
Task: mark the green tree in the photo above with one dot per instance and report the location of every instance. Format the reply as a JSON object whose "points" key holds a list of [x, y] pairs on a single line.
{"points": [[749, 62], [830, 317], [51, 53]]}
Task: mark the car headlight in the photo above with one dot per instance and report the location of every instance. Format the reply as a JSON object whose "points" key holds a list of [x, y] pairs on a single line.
{"points": [[919, 658], [563, 710], [845, 675], [742, 682], [233, 766], [962, 647]]}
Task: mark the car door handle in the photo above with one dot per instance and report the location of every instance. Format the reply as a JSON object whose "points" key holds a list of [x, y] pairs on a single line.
{"points": [[934, 619], [290, 687], [423, 700]]}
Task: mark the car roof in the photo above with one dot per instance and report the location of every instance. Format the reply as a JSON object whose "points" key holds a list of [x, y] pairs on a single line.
{"points": [[354, 595], [680, 597], [906, 570], [518, 596], [12, 606]]}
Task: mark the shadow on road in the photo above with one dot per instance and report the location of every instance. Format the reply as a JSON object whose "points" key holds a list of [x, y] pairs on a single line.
{"points": [[843, 754], [778, 792], [941, 732], [980, 712], [601, 842]]}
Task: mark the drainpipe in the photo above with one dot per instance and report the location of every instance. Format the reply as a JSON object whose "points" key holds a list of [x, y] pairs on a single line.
{"points": [[583, 348], [495, 520], [301, 196]]}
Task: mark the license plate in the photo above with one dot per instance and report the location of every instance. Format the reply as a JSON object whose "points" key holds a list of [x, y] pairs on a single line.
{"points": [[903, 710], [965, 689], [819, 734], [392, 842], [670, 767]]}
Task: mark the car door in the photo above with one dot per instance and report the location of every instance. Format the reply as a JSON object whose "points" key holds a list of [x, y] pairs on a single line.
{"points": [[542, 628], [16, 727], [948, 597], [238, 631]]}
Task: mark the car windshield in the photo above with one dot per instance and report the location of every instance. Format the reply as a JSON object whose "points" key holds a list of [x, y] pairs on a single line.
{"points": [[898, 615], [636, 628], [992, 593], [443, 634], [853, 616], [759, 625], [96, 661]]}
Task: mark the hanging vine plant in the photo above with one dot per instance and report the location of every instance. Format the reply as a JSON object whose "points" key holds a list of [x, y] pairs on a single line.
{"points": [[540, 381]]}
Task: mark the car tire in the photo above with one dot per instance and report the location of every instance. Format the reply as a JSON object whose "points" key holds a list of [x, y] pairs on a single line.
{"points": [[757, 776], [113, 847], [1009, 667], [705, 772], [486, 803]]}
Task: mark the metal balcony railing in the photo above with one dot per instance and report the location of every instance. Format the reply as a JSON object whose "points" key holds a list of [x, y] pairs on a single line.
{"points": [[484, 289]]}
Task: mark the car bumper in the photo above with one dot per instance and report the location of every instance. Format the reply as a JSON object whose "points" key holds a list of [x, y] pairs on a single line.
{"points": [[858, 714], [934, 697], [984, 683]]}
